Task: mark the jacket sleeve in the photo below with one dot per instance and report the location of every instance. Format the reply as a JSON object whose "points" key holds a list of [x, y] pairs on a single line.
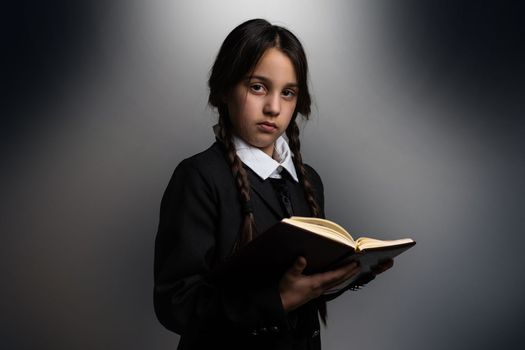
{"points": [[185, 302]]}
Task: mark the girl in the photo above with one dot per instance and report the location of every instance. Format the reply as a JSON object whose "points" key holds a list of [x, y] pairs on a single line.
{"points": [[218, 200]]}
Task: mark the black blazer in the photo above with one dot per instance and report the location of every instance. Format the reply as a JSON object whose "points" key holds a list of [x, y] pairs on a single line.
{"points": [[200, 219]]}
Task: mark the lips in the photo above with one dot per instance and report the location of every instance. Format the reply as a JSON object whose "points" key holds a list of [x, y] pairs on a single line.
{"points": [[267, 126]]}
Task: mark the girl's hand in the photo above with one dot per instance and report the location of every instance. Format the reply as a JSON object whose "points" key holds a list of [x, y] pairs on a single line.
{"points": [[375, 270], [297, 289]]}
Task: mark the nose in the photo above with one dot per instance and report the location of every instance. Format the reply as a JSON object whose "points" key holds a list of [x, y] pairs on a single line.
{"points": [[272, 105]]}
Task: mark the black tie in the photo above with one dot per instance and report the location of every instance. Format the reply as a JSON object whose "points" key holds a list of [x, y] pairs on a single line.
{"points": [[283, 194]]}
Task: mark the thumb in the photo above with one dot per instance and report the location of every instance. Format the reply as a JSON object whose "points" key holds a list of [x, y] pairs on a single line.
{"points": [[298, 266]]}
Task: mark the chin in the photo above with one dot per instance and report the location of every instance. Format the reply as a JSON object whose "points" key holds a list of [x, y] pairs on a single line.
{"points": [[263, 144]]}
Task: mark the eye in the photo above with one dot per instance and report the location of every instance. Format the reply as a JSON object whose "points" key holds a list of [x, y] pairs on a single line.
{"points": [[257, 87], [289, 93]]}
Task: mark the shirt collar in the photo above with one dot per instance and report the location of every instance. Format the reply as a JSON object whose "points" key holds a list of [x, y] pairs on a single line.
{"points": [[261, 163]]}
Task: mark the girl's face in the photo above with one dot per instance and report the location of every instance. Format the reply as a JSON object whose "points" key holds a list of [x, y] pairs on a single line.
{"points": [[261, 106]]}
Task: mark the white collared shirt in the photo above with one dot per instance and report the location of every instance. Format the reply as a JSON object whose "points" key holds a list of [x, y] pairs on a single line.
{"points": [[264, 165], [261, 163]]}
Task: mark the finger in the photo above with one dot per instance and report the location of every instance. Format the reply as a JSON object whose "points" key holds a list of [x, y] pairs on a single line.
{"points": [[350, 273], [338, 275], [347, 276], [298, 266], [350, 269]]}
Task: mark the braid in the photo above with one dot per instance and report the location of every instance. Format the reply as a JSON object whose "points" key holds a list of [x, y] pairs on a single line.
{"points": [[295, 146], [243, 185]]}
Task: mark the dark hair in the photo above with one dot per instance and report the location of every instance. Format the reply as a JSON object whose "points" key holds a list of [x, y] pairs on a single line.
{"points": [[241, 51], [238, 56]]}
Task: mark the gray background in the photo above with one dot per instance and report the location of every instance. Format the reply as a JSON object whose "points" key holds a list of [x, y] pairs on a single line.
{"points": [[416, 131]]}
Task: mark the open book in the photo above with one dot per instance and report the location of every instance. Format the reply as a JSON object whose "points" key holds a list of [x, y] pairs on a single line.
{"points": [[325, 245]]}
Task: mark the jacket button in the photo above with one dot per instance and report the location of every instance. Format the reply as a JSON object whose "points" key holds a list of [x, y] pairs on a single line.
{"points": [[315, 333]]}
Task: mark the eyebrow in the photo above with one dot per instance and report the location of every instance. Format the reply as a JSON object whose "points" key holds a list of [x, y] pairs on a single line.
{"points": [[266, 80]]}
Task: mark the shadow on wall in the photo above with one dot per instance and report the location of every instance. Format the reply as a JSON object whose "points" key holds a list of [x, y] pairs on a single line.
{"points": [[476, 46], [46, 42]]}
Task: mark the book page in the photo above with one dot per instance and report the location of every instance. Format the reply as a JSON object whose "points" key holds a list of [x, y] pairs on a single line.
{"points": [[324, 223], [367, 243], [322, 230]]}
